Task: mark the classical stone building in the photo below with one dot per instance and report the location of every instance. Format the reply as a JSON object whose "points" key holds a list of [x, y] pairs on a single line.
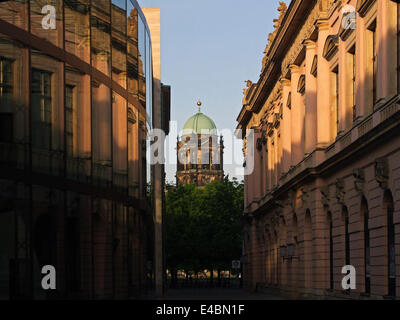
{"points": [[76, 105], [199, 155], [325, 190]]}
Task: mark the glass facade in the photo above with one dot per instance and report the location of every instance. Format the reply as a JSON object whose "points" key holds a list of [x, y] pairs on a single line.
{"points": [[75, 109]]}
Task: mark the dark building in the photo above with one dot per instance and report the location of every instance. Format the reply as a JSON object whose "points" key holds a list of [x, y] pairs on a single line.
{"points": [[76, 106]]}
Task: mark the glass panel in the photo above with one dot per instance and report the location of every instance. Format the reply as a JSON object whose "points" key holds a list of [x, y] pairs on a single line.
{"points": [[70, 113], [142, 62], [101, 121], [149, 82], [132, 67], [41, 108], [133, 151], [120, 144], [47, 102], [119, 45], [6, 100], [77, 28], [15, 12], [78, 124], [13, 100], [101, 29], [42, 25]]}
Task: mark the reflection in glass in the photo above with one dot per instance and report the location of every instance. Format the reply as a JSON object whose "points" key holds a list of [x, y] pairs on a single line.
{"points": [[77, 28], [132, 67], [15, 12], [119, 45], [101, 29], [120, 136], [101, 142], [142, 62], [41, 108], [149, 80], [6, 99], [133, 151], [55, 36], [13, 99], [77, 123]]}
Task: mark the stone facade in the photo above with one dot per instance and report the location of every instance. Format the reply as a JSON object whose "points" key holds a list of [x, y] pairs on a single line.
{"points": [[325, 190]]}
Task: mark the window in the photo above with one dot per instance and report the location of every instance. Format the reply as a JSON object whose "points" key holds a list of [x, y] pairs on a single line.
{"points": [[330, 225], [351, 67], [346, 236], [398, 49], [391, 248], [334, 103], [6, 100], [372, 63], [41, 109], [69, 120], [365, 214]]}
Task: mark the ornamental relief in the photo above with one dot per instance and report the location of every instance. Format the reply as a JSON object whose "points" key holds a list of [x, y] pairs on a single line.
{"points": [[273, 99], [304, 34]]}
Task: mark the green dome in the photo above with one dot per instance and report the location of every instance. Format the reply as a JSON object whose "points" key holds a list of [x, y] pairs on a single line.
{"points": [[199, 122]]}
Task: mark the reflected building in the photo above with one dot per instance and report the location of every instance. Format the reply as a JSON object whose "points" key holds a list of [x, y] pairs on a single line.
{"points": [[325, 192], [76, 106], [199, 153]]}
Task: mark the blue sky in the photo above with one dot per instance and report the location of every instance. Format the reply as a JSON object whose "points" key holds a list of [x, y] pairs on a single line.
{"points": [[209, 48]]}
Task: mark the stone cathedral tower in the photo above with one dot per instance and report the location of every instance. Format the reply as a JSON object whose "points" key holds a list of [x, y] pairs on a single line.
{"points": [[199, 153]]}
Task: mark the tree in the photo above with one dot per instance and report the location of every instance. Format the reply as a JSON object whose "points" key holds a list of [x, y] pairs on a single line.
{"points": [[204, 226]]}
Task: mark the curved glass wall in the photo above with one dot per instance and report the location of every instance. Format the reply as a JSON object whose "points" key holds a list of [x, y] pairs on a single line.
{"points": [[111, 35], [75, 110], [75, 106]]}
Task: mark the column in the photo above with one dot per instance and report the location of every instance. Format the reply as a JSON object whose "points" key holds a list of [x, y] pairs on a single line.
{"points": [[286, 127], [323, 123], [387, 51], [311, 99], [296, 118]]}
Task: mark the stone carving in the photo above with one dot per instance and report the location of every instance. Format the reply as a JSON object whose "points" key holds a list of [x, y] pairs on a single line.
{"points": [[271, 37], [382, 172], [248, 86], [291, 199], [359, 180], [259, 144], [305, 33], [304, 196], [264, 138], [325, 195], [340, 191]]}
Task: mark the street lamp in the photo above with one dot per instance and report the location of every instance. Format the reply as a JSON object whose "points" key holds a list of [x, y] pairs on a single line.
{"points": [[291, 251], [283, 251]]}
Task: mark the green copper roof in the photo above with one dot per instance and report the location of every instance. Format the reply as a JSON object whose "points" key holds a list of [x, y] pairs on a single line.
{"points": [[199, 122]]}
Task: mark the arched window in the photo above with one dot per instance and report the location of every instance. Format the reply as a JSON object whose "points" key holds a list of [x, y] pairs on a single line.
{"points": [[391, 262], [283, 242], [307, 250], [330, 226], [293, 275], [345, 214], [365, 218]]}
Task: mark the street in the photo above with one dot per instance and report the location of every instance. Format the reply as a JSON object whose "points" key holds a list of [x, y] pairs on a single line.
{"points": [[216, 294]]}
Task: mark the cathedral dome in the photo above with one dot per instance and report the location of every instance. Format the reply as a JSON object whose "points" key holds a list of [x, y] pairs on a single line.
{"points": [[199, 122]]}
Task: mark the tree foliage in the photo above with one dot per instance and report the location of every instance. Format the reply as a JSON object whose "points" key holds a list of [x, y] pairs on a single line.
{"points": [[203, 225]]}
